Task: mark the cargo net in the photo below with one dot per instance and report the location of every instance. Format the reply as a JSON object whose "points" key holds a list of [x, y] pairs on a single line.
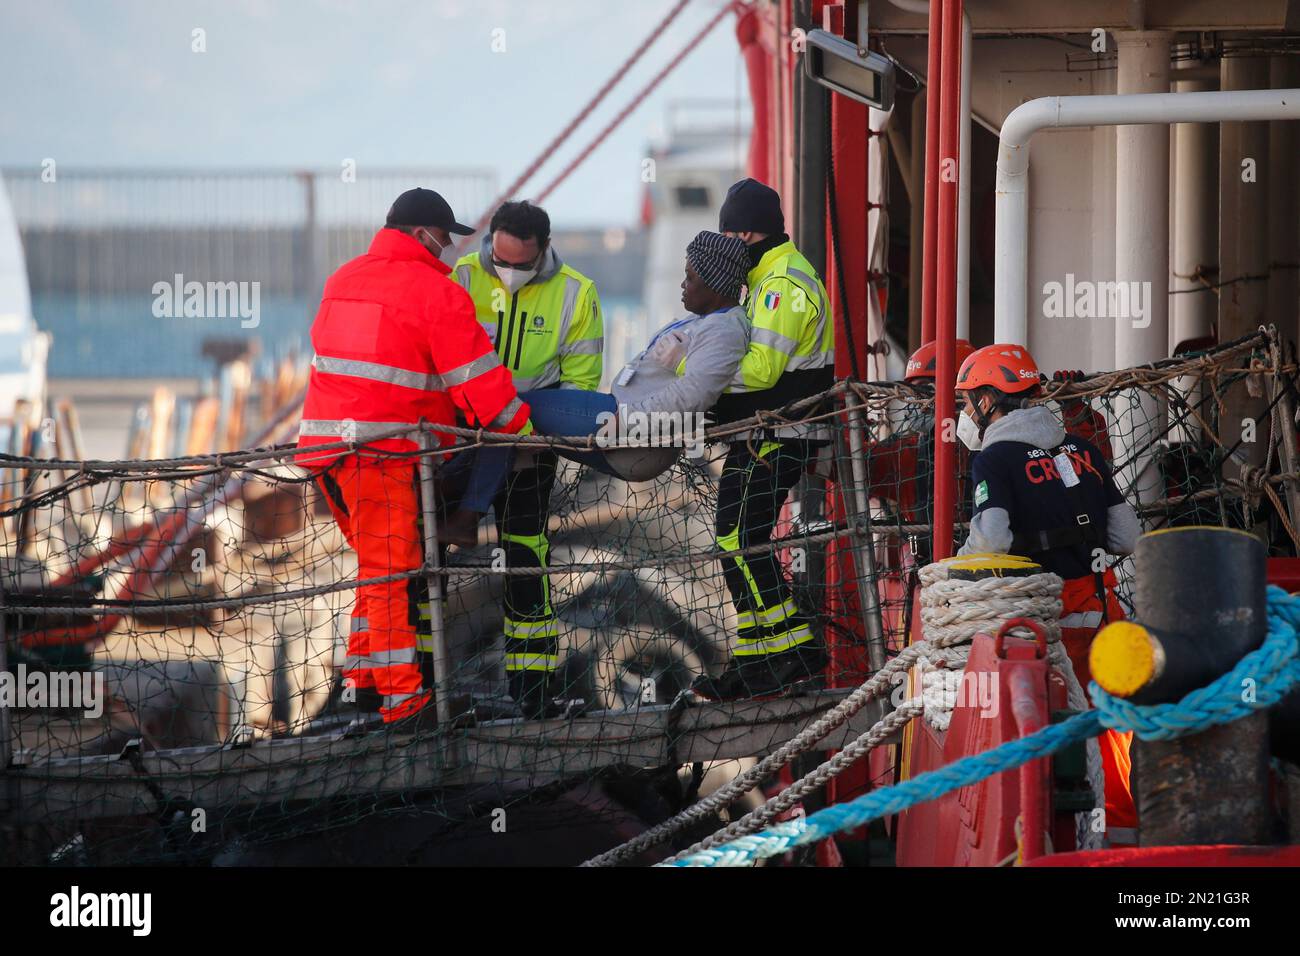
{"points": [[175, 630]]}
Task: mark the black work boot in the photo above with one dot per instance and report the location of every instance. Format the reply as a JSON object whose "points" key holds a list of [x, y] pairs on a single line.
{"points": [[765, 675], [530, 690]]}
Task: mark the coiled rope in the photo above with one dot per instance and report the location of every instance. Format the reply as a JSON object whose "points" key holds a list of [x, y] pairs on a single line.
{"points": [[954, 610]]}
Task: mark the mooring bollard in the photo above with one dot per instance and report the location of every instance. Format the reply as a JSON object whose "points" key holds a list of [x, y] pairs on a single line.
{"points": [[1201, 607]]}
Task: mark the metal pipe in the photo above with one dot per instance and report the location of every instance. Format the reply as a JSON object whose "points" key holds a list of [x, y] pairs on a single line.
{"points": [[945, 458], [1141, 259], [1283, 293], [1196, 216], [916, 225], [1012, 241], [864, 546], [963, 175], [433, 561], [933, 79], [963, 185]]}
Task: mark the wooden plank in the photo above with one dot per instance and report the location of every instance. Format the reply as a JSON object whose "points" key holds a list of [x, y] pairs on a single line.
{"points": [[317, 768]]}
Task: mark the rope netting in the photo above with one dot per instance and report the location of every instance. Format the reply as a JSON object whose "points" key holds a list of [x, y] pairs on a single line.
{"points": [[187, 621]]}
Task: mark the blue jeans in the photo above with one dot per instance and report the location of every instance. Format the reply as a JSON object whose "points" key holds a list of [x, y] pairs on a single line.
{"points": [[553, 411]]}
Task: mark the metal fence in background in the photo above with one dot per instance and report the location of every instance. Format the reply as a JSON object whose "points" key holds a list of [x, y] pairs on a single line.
{"points": [[97, 242]]}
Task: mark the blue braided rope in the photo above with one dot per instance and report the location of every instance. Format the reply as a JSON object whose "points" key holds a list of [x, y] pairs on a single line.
{"points": [[1260, 679]]}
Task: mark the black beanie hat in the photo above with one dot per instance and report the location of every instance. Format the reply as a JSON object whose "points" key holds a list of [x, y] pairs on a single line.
{"points": [[751, 206]]}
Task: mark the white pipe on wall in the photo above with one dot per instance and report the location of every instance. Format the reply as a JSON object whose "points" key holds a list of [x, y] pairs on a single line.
{"points": [[1049, 112], [1142, 201]]}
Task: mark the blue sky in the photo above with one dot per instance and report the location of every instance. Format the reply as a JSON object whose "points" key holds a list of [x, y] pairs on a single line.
{"points": [[308, 83]]}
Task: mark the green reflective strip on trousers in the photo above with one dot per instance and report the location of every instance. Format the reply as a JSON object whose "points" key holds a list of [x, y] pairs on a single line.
{"points": [[532, 662], [774, 645]]}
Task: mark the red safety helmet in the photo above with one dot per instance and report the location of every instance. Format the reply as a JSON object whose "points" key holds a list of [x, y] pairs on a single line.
{"points": [[921, 366], [1007, 368]]}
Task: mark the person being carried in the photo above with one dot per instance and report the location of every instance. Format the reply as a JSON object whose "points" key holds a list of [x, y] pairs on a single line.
{"points": [[668, 385]]}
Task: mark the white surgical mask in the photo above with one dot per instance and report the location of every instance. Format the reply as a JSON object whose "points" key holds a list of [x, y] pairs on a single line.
{"points": [[968, 432], [515, 279], [446, 254]]}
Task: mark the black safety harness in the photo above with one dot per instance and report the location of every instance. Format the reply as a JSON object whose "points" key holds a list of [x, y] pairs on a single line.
{"points": [[1081, 537]]}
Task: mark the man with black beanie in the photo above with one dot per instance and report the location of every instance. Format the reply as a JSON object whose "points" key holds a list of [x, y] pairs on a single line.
{"points": [[791, 355]]}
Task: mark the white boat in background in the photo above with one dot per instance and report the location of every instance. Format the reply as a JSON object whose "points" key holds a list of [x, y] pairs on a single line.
{"points": [[23, 347], [693, 169]]}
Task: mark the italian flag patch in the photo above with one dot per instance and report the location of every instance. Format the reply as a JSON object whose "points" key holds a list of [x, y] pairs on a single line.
{"points": [[771, 301]]}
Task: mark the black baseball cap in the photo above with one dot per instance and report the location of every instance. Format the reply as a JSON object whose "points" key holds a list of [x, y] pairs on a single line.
{"points": [[424, 207]]}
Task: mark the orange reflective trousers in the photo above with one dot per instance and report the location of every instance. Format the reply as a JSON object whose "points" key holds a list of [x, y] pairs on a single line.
{"points": [[1079, 597], [376, 503]]}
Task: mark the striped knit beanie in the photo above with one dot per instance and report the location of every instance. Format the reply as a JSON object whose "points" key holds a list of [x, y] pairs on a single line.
{"points": [[721, 261]]}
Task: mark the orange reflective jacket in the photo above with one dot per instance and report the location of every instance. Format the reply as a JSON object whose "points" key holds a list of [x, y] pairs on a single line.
{"points": [[1079, 597], [397, 341]]}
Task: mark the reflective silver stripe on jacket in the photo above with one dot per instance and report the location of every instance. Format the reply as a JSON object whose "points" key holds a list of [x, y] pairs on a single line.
{"points": [[822, 313], [405, 655], [812, 360], [586, 347], [490, 330], [775, 340], [374, 372], [506, 414], [571, 289], [1082, 619], [462, 276], [348, 429], [471, 370], [813, 288]]}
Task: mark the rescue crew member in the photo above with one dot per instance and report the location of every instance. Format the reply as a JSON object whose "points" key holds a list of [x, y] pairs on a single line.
{"points": [[544, 319], [395, 341], [1048, 495], [791, 355]]}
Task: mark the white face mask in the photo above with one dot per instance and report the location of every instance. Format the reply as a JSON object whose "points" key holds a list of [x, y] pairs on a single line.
{"points": [[968, 432], [515, 279], [446, 254]]}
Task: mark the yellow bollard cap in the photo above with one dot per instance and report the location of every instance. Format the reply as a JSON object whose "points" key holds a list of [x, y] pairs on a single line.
{"points": [[1124, 658], [975, 567]]}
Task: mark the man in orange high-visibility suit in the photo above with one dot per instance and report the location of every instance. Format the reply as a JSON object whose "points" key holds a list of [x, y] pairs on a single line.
{"points": [[1048, 495], [396, 341]]}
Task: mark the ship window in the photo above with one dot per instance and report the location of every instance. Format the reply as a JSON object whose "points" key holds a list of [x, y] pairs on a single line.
{"points": [[693, 197]]}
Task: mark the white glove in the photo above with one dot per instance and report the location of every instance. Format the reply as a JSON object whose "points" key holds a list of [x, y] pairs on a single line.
{"points": [[669, 350]]}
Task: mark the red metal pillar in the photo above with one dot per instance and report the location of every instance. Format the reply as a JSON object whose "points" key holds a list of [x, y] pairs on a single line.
{"points": [[749, 29], [933, 105], [945, 298]]}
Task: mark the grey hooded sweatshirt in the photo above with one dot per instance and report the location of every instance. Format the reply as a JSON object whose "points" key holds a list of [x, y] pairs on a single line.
{"points": [[1038, 426]]}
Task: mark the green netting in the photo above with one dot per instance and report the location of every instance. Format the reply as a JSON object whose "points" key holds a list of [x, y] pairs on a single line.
{"points": [[218, 626]]}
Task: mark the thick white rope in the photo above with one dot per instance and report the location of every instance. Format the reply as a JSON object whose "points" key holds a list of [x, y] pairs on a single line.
{"points": [[953, 611]]}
